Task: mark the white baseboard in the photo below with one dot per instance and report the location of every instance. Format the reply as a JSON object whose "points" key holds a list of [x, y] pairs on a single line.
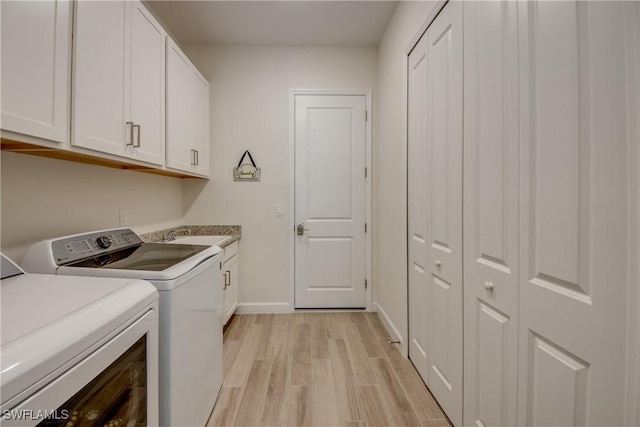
{"points": [[264, 308], [393, 331]]}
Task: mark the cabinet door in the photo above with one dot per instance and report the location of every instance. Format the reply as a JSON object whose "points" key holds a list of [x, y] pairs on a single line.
{"points": [[187, 114], [231, 287], [201, 124], [490, 213], [147, 85], [574, 205], [101, 63], [35, 68]]}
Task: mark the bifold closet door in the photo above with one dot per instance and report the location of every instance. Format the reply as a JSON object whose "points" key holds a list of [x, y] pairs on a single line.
{"points": [[490, 213], [435, 176], [574, 224], [417, 208]]}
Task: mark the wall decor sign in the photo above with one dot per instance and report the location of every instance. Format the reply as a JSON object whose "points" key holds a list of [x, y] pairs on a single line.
{"points": [[246, 171]]}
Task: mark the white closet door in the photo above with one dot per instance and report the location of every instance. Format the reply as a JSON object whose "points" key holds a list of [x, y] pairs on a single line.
{"points": [[490, 213], [574, 224], [417, 209], [444, 201]]}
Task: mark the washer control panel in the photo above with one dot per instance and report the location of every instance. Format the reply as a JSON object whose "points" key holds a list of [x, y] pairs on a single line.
{"points": [[83, 246]]}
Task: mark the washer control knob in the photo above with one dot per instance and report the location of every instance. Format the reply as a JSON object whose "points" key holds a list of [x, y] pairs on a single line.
{"points": [[104, 241]]}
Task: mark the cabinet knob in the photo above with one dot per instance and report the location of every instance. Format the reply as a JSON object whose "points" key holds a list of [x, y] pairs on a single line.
{"points": [[438, 263], [488, 286]]}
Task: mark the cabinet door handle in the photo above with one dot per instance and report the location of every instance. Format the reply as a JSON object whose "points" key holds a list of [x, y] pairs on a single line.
{"points": [[193, 157], [227, 279], [136, 127], [197, 157], [130, 126]]}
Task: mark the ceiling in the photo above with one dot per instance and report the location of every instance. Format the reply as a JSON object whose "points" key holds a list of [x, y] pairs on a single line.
{"points": [[292, 23]]}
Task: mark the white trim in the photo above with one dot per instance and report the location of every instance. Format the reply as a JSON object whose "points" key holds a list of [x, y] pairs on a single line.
{"points": [[404, 346], [368, 193], [264, 308], [390, 327]]}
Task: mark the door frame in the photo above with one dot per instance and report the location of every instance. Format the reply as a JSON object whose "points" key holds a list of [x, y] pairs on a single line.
{"points": [[292, 180]]}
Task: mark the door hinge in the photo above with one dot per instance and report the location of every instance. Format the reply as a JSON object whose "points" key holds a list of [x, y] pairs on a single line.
{"points": [[365, 172], [365, 227], [366, 285]]}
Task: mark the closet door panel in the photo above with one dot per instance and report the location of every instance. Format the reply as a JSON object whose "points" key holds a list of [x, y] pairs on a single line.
{"points": [[444, 217], [417, 208], [490, 212], [574, 213]]}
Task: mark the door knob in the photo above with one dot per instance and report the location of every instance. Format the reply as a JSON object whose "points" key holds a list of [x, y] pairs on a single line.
{"points": [[488, 286], [300, 229], [438, 263]]}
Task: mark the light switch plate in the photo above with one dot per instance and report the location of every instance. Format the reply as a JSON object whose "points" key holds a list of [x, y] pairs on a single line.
{"points": [[124, 217]]}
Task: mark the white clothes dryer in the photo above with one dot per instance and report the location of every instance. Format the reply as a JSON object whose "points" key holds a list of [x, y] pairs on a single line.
{"points": [[77, 350]]}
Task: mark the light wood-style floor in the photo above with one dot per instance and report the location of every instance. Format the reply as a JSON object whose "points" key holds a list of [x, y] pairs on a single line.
{"points": [[318, 369]]}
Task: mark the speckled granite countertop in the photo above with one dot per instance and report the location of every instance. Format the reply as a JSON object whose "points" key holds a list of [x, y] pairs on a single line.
{"points": [[235, 231]]}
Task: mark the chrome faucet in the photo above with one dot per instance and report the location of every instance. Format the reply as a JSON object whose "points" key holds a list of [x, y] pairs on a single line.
{"points": [[170, 236]]}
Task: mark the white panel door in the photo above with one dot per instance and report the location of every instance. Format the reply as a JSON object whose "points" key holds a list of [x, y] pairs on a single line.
{"points": [[574, 209], [490, 213], [417, 208], [101, 76], [36, 68], [444, 200], [147, 85], [330, 201]]}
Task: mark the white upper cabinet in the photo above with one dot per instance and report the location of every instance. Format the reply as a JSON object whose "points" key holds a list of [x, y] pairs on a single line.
{"points": [[148, 41], [119, 80], [35, 68], [187, 114]]}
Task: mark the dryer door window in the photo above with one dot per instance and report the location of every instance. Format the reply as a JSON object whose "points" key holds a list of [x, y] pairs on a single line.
{"points": [[116, 397]]}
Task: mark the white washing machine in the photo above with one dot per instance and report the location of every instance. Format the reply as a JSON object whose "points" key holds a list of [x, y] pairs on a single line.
{"points": [[189, 281], [77, 350]]}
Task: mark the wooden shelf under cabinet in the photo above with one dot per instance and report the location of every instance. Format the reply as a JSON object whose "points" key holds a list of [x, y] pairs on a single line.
{"points": [[60, 154]]}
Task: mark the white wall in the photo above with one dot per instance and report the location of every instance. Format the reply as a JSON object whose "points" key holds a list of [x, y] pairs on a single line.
{"points": [[390, 168], [250, 110], [44, 198]]}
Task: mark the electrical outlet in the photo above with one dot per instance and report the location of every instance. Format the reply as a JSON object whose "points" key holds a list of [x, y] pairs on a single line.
{"points": [[279, 209], [124, 217]]}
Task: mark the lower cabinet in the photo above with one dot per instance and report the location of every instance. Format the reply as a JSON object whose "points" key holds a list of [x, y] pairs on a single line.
{"points": [[230, 269]]}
